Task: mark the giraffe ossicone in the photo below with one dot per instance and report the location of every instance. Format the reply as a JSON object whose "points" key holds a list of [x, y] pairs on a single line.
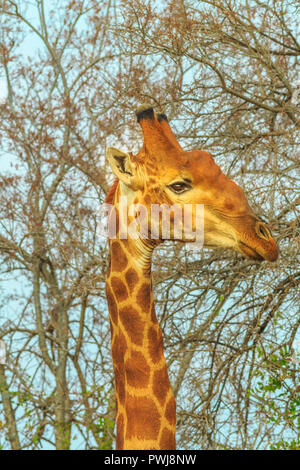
{"points": [[162, 174]]}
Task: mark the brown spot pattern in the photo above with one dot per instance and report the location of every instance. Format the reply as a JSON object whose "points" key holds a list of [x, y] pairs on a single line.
{"points": [[155, 344], [120, 383], [143, 419], [118, 351], [170, 413], [118, 348], [109, 268], [112, 306], [153, 314], [118, 257], [161, 384], [167, 440], [137, 370], [119, 289], [120, 432], [131, 279], [133, 324], [143, 297]]}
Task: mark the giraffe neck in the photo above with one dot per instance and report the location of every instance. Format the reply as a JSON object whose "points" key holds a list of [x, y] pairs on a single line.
{"points": [[146, 413]]}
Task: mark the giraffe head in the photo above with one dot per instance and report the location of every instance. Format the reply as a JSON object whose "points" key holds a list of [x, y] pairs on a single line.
{"points": [[163, 173]]}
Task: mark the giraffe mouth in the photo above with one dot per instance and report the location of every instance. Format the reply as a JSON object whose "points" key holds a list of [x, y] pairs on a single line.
{"points": [[249, 252]]}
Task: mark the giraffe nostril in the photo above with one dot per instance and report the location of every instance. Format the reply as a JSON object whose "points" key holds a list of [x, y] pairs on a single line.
{"points": [[262, 231]]}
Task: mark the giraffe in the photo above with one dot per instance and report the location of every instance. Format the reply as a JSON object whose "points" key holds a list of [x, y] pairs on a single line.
{"points": [[162, 173]]}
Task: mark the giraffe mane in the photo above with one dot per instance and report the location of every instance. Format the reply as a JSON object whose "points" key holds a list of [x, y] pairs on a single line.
{"points": [[111, 193]]}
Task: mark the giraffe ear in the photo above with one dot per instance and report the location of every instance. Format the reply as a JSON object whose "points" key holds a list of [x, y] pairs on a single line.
{"points": [[122, 166]]}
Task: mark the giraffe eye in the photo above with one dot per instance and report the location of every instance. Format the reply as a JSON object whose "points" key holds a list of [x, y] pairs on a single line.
{"points": [[179, 187]]}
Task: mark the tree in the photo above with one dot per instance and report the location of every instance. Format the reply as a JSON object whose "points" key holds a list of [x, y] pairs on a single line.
{"points": [[277, 394], [53, 128], [225, 73]]}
